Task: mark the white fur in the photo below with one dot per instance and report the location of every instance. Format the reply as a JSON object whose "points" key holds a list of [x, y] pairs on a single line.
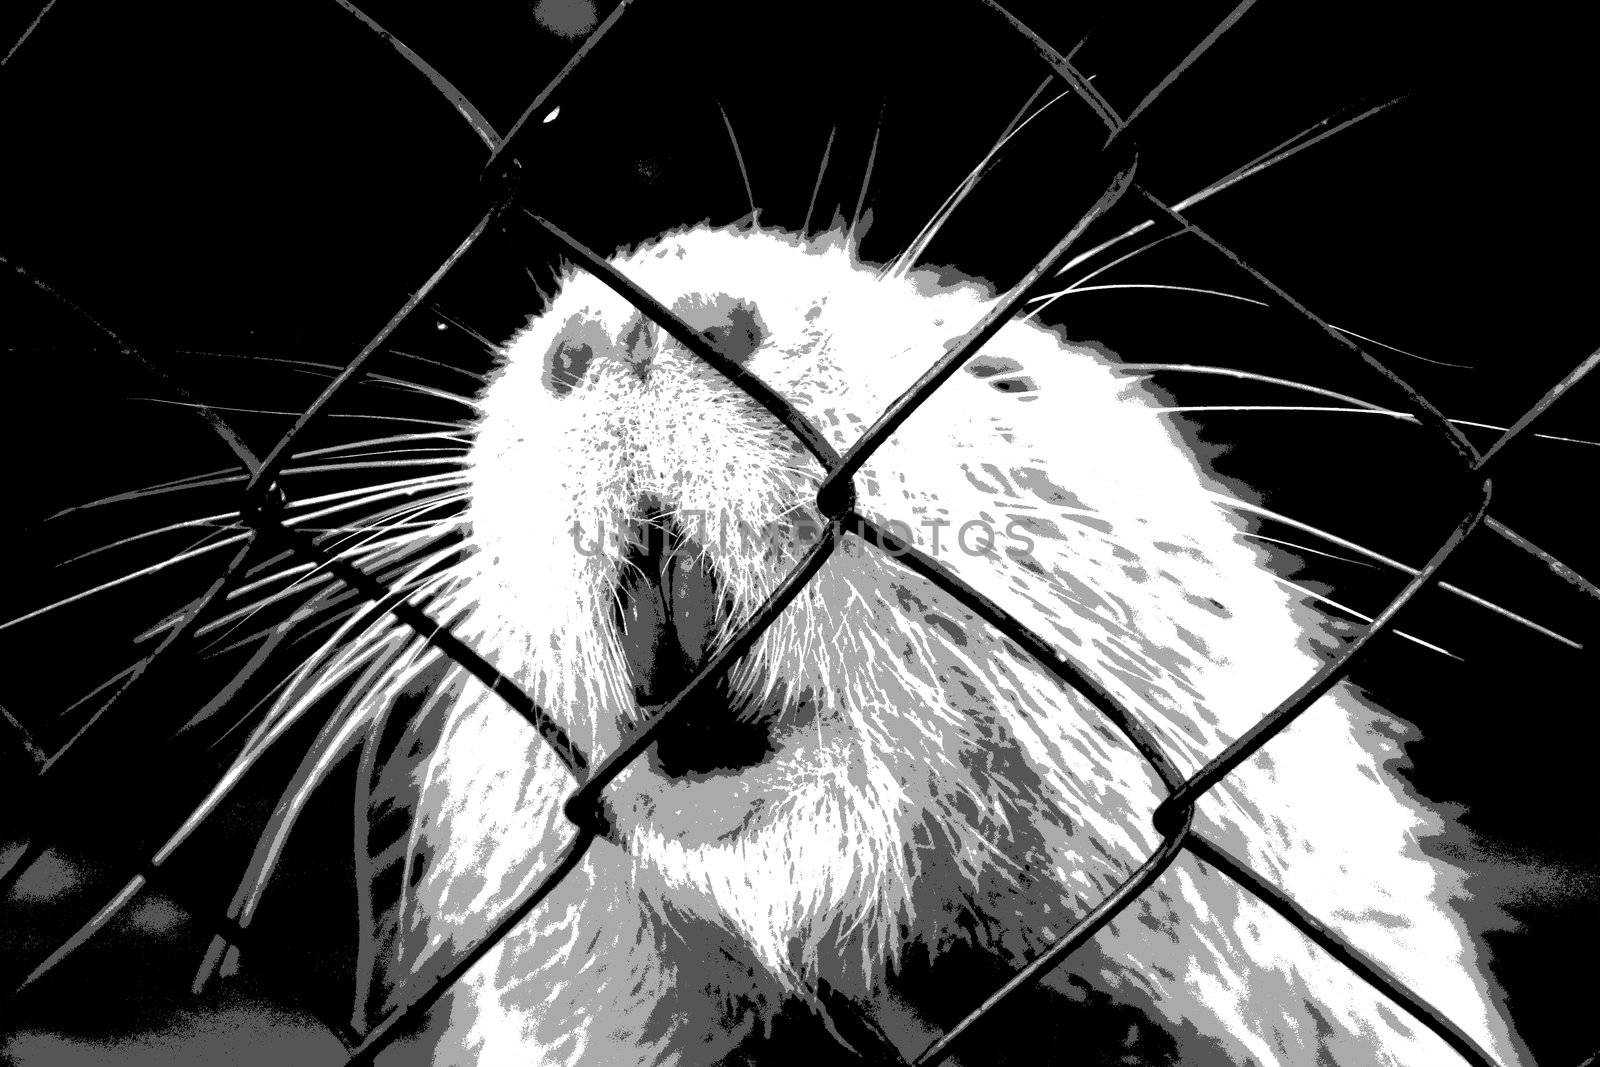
{"points": [[924, 766]]}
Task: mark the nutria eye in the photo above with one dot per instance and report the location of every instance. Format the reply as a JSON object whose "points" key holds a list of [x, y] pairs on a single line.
{"points": [[1018, 384], [743, 333], [737, 330]]}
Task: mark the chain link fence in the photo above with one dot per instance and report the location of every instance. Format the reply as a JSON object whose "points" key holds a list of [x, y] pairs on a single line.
{"points": [[263, 504]]}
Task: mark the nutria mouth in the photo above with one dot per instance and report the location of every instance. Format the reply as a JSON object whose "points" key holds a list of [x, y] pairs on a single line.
{"points": [[668, 609]]}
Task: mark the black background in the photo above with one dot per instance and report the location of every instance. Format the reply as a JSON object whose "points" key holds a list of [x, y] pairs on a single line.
{"points": [[224, 185]]}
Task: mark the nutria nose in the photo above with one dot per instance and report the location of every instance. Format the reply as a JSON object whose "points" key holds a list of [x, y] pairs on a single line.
{"points": [[667, 612]]}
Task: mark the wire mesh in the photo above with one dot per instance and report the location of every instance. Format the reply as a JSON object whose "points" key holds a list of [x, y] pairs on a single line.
{"points": [[263, 504]]}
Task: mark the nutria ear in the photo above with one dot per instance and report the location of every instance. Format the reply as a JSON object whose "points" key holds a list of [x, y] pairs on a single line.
{"points": [[741, 334], [733, 326]]}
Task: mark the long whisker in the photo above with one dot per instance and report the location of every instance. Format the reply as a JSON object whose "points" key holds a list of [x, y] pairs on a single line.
{"points": [[1252, 376], [142, 572], [367, 866], [439, 423], [418, 438], [382, 544], [397, 546], [263, 724], [470, 375], [348, 500], [264, 574], [221, 520], [306, 368], [419, 389], [1044, 303], [398, 525], [815, 189], [101, 688], [1401, 415], [919, 243], [301, 570], [223, 476], [331, 744], [209, 480], [488, 345], [738, 157], [274, 639], [312, 583], [432, 452], [866, 178], [544, 297], [1308, 550], [395, 527], [1364, 618], [1229, 503], [1402, 351], [371, 493], [395, 489], [330, 370], [316, 617], [389, 551], [212, 407], [1044, 300], [227, 518], [454, 459], [457, 435], [390, 527], [1286, 150]]}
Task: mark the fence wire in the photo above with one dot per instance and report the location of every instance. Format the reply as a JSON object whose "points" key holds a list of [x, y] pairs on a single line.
{"points": [[264, 504]]}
